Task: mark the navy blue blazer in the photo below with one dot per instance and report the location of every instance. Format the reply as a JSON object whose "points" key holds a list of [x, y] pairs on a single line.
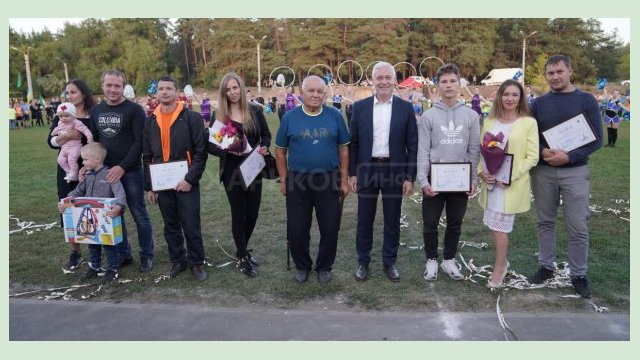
{"points": [[403, 141]]}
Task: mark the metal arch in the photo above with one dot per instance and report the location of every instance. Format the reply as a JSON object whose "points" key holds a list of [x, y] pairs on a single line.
{"points": [[425, 59], [366, 71], [340, 78], [320, 65], [404, 62], [284, 67]]}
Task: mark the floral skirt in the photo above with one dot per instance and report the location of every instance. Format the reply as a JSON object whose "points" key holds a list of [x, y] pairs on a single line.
{"points": [[498, 221]]}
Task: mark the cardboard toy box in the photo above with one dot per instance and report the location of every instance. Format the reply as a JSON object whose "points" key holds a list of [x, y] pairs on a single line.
{"points": [[85, 221]]}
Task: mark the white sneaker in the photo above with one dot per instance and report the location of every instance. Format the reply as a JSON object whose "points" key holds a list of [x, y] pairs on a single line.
{"points": [[451, 268], [431, 270]]}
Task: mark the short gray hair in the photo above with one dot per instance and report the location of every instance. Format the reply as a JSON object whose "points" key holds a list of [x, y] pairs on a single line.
{"points": [[309, 78], [383, 64]]}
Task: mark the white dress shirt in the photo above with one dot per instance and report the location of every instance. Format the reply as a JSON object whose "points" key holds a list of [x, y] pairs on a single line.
{"points": [[381, 127]]}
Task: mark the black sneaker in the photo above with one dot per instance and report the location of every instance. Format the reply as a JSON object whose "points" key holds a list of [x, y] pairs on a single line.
{"points": [[176, 268], [324, 277], [146, 264], [109, 276], [246, 267], [301, 276], [254, 261], [541, 275], [198, 272], [581, 286], [125, 262], [75, 260], [89, 274]]}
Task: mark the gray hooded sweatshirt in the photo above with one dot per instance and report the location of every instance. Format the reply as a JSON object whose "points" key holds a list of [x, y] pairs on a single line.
{"points": [[448, 134]]}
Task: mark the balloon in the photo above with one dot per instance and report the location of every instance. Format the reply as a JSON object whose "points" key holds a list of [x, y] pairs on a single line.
{"points": [[602, 82], [188, 91], [128, 92], [153, 87]]}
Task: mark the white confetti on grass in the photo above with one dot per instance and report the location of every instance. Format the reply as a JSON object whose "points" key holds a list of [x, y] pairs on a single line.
{"points": [[476, 245], [503, 323], [29, 227]]}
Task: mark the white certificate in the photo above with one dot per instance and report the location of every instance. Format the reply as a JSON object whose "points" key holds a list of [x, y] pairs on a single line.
{"points": [[451, 177], [504, 172], [251, 167], [570, 134], [166, 176]]}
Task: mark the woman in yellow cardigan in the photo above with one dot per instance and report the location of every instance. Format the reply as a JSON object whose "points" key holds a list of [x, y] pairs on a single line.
{"points": [[509, 115]]}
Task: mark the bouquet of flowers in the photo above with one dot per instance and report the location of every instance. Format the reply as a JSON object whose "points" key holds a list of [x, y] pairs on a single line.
{"points": [[231, 137], [493, 150]]}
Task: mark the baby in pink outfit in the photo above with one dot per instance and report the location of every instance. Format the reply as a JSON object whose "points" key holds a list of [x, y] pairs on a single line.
{"points": [[70, 152]]}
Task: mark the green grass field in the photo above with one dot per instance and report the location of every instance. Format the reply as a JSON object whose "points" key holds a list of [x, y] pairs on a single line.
{"points": [[35, 259]]}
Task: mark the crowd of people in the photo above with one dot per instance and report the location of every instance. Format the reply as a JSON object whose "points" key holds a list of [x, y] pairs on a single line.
{"points": [[32, 113], [383, 149]]}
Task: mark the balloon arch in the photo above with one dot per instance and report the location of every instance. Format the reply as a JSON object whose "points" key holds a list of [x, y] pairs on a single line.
{"points": [[350, 73]]}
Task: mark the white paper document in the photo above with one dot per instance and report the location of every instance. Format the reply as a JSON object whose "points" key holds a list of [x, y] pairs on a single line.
{"points": [[166, 176], [251, 167], [451, 177], [504, 172], [570, 134]]}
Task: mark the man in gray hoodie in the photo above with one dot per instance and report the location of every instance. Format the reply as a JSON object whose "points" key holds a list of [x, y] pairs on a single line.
{"points": [[447, 132]]}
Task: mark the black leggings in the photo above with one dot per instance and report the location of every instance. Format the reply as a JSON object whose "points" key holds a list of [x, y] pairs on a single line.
{"points": [[245, 206]]}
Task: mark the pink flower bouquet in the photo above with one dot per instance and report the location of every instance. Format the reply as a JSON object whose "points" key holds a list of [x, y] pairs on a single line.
{"points": [[493, 150], [231, 136]]}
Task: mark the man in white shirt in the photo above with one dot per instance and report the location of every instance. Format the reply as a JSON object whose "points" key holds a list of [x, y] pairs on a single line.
{"points": [[382, 159]]}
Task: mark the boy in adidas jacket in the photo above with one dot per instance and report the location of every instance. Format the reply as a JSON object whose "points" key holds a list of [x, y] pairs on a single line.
{"points": [[447, 132]]}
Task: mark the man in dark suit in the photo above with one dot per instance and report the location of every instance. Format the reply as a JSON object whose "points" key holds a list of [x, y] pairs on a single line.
{"points": [[382, 158]]}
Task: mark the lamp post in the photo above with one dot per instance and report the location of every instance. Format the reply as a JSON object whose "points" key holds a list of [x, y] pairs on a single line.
{"points": [[66, 70], [258, 51], [524, 49], [28, 68]]}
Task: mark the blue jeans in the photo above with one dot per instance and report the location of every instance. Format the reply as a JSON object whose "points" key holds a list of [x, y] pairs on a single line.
{"points": [[133, 183], [95, 257]]}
